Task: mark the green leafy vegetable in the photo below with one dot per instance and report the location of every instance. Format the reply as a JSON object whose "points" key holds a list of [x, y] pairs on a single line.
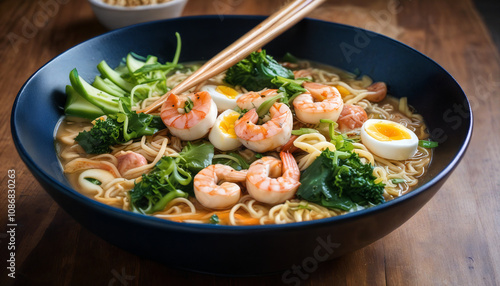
{"points": [[290, 88], [104, 133], [340, 180], [188, 105], [264, 108], [196, 156], [427, 144], [118, 128], [159, 187], [341, 141], [136, 79], [233, 160], [256, 71], [170, 178], [214, 219], [289, 58]]}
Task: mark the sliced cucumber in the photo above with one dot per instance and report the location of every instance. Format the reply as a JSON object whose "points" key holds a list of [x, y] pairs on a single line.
{"points": [[114, 76], [105, 101], [78, 106], [133, 64], [108, 86], [151, 60]]}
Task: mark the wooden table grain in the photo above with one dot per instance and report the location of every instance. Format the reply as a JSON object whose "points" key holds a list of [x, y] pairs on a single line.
{"points": [[453, 240]]}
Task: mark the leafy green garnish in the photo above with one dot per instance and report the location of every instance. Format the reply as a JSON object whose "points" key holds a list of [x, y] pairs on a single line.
{"points": [[341, 141], [289, 58], [170, 178], [188, 105], [134, 80], [256, 71], [159, 187], [264, 108], [290, 88], [427, 144], [118, 128], [214, 219], [232, 159], [104, 133], [196, 156], [340, 180]]}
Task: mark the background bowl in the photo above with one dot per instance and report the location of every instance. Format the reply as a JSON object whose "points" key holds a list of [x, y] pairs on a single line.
{"points": [[243, 250], [113, 16]]}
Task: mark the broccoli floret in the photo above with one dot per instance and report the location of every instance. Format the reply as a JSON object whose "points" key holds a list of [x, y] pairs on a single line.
{"points": [[170, 178], [118, 128]]}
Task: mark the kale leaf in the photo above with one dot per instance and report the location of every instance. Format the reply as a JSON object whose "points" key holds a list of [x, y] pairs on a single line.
{"points": [[256, 71], [340, 180]]}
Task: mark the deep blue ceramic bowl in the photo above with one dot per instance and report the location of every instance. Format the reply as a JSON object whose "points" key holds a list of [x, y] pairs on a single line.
{"points": [[244, 250]]}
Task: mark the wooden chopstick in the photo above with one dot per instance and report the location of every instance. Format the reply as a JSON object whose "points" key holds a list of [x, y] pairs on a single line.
{"points": [[266, 24], [263, 33]]}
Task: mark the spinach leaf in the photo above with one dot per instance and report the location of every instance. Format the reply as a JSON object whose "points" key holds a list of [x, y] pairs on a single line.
{"points": [[256, 71], [340, 180]]}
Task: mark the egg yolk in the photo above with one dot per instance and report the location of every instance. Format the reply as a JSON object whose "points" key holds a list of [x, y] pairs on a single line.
{"points": [[383, 131], [227, 124], [342, 90], [227, 91]]}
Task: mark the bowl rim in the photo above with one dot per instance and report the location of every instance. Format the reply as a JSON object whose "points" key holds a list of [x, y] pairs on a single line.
{"points": [[164, 223], [101, 4]]}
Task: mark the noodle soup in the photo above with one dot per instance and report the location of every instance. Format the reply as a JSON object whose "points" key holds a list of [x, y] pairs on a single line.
{"points": [[102, 177]]}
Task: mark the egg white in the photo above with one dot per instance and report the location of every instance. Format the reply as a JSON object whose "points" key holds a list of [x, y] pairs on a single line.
{"points": [[219, 138], [395, 149], [221, 100]]}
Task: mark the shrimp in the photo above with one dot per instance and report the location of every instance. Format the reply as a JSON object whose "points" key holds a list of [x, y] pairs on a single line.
{"points": [[214, 196], [255, 99], [272, 181], [306, 73], [379, 90], [129, 160], [268, 136], [190, 125], [328, 104], [352, 117]]}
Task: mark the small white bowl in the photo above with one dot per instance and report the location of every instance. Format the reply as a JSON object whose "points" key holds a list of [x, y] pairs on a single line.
{"points": [[113, 16]]}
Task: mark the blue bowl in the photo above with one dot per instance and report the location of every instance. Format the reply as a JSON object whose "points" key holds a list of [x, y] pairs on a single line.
{"points": [[244, 250]]}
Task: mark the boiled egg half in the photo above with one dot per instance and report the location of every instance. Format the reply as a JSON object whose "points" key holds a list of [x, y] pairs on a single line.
{"points": [[222, 135], [223, 96], [388, 139]]}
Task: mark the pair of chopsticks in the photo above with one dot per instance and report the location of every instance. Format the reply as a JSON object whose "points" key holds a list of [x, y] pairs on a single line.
{"points": [[262, 34]]}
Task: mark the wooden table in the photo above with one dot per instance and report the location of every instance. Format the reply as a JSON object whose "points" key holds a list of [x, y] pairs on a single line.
{"points": [[453, 240]]}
